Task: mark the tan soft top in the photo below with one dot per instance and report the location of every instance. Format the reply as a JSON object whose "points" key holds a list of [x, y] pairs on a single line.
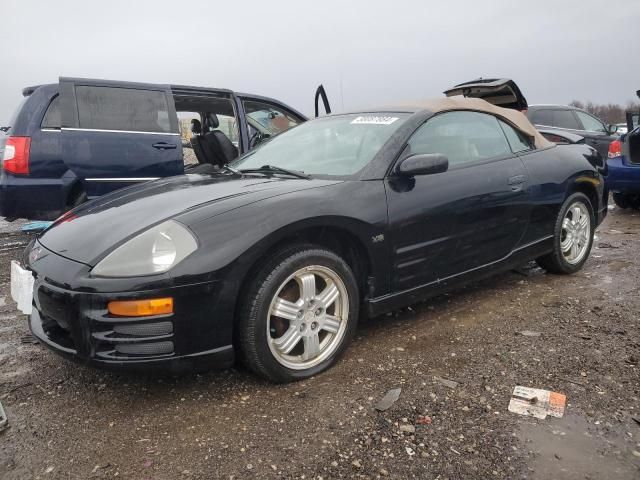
{"points": [[514, 117]]}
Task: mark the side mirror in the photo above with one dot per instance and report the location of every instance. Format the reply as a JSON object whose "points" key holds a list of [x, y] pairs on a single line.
{"points": [[423, 164], [612, 129]]}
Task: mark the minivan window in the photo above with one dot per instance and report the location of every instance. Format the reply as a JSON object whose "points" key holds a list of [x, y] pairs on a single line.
{"points": [[52, 118], [128, 109]]}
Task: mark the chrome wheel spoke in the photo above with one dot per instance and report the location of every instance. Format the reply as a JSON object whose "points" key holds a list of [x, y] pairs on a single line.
{"points": [[288, 341], [575, 250], [576, 213], [566, 223], [331, 324], [311, 346], [285, 309], [307, 283], [584, 222], [329, 295]]}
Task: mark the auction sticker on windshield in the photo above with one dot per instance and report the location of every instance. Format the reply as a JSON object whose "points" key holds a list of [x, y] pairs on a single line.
{"points": [[374, 120]]}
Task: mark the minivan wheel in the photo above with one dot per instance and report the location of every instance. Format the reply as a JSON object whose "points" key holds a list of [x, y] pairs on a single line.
{"points": [[621, 200], [299, 314], [573, 236]]}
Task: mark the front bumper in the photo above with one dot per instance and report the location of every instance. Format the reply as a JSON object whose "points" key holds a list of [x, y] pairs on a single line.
{"points": [[623, 177], [77, 324]]}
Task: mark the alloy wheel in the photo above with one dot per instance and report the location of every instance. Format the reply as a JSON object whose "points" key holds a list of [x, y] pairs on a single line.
{"points": [[576, 233], [308, 317]]}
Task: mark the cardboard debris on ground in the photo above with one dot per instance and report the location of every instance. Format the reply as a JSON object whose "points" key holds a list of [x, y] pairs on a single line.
{"points": [[389, 399], [446, 382], [537, 403]]}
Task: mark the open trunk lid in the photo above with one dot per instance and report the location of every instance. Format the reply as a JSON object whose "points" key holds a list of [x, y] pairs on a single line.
{"points": [[502, 92]]}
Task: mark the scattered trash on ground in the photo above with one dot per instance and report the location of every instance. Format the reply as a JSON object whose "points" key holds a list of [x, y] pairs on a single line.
{"points": [[423, 420], [537, 403], [389, 399], [28, 339], [530, 333], [3, 418], [35, 227], [446, 383], [606, 245]]}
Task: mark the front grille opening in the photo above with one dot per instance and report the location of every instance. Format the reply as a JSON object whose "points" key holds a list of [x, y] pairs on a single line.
{"points": [[145, 329], [156, 348], [57, 333]]}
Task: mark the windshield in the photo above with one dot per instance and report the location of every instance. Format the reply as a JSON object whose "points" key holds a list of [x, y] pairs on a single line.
{"points": [[339, 145]]}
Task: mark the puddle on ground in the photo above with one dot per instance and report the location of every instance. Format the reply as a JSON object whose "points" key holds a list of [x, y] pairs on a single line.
{"points": [[569, 448]]}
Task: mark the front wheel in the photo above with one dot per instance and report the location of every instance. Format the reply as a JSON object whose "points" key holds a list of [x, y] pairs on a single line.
{"points": [[299, 313], [573, 236]]}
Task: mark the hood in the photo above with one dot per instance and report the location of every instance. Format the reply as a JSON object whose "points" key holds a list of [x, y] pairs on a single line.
{"points": [[87, 232], [502, 92]]}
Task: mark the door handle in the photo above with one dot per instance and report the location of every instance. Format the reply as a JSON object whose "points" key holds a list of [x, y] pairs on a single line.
{"points": [[164, 146]]}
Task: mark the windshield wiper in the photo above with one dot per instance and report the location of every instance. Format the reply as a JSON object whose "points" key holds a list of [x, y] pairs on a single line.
{"points": [[229, 168], [275, 169]]}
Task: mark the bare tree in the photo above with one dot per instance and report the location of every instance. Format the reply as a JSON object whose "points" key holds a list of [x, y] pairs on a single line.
{"points": [[609, 113]]}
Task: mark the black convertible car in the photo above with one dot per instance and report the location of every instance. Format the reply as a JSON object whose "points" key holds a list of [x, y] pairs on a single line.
{"points": [[273, 258]]}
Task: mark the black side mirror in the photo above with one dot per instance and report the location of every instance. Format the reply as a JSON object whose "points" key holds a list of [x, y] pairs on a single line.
{"points": [[423, 164]]}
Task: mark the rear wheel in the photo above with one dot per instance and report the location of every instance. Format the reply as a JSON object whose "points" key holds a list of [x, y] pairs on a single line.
{"points": [[573, 236], [299, 314]]}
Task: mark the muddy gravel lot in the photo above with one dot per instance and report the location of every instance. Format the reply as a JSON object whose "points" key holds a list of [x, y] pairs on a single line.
{"points": [[456, 359]]}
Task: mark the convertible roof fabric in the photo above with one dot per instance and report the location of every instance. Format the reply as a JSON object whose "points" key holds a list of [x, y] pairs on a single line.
{"points": [[516, 118]]}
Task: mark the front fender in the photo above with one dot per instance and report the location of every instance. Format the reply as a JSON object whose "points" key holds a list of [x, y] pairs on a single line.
{"points": [[233, 241]]}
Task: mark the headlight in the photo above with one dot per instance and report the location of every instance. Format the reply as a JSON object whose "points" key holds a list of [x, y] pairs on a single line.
{"points": [[153, 251]]}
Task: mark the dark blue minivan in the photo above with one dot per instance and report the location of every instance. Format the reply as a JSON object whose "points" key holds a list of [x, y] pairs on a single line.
{"points": [[80, 138]]}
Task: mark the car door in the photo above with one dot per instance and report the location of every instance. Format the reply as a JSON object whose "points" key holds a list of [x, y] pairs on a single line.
{"points": [[267, 118], [469, 216], [115, 133], [595, 132]]}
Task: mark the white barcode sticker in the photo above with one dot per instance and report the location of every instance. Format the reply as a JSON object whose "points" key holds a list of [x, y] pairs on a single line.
{"points": [[374, 120]]}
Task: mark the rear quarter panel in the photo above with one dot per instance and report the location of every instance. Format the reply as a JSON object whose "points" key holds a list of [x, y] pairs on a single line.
{"points": [[555, 173]]}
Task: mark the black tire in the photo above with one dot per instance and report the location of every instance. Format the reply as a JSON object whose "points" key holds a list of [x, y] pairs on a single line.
{"points": [[621, 200], [555, 262], [252, 333]]}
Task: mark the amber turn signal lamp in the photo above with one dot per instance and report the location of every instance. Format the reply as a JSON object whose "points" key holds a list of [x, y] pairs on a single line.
{"points": [[141, 308]]}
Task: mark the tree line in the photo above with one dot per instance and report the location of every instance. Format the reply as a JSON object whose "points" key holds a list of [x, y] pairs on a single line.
{"points": [[609, 113]]}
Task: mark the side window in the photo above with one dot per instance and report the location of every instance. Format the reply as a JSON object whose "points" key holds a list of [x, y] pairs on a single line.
{"points": [[542, 117], [464, 137], [268, 118], [591, 124], [112, 108], [517, 140], [51, 119], [189, 124], [565, 119]]}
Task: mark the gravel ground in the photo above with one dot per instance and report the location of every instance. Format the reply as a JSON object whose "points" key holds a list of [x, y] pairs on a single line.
{"points": [[68, 421]]}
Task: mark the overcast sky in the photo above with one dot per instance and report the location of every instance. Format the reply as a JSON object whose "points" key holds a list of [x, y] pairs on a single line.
{"points": [[379, 52]]}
